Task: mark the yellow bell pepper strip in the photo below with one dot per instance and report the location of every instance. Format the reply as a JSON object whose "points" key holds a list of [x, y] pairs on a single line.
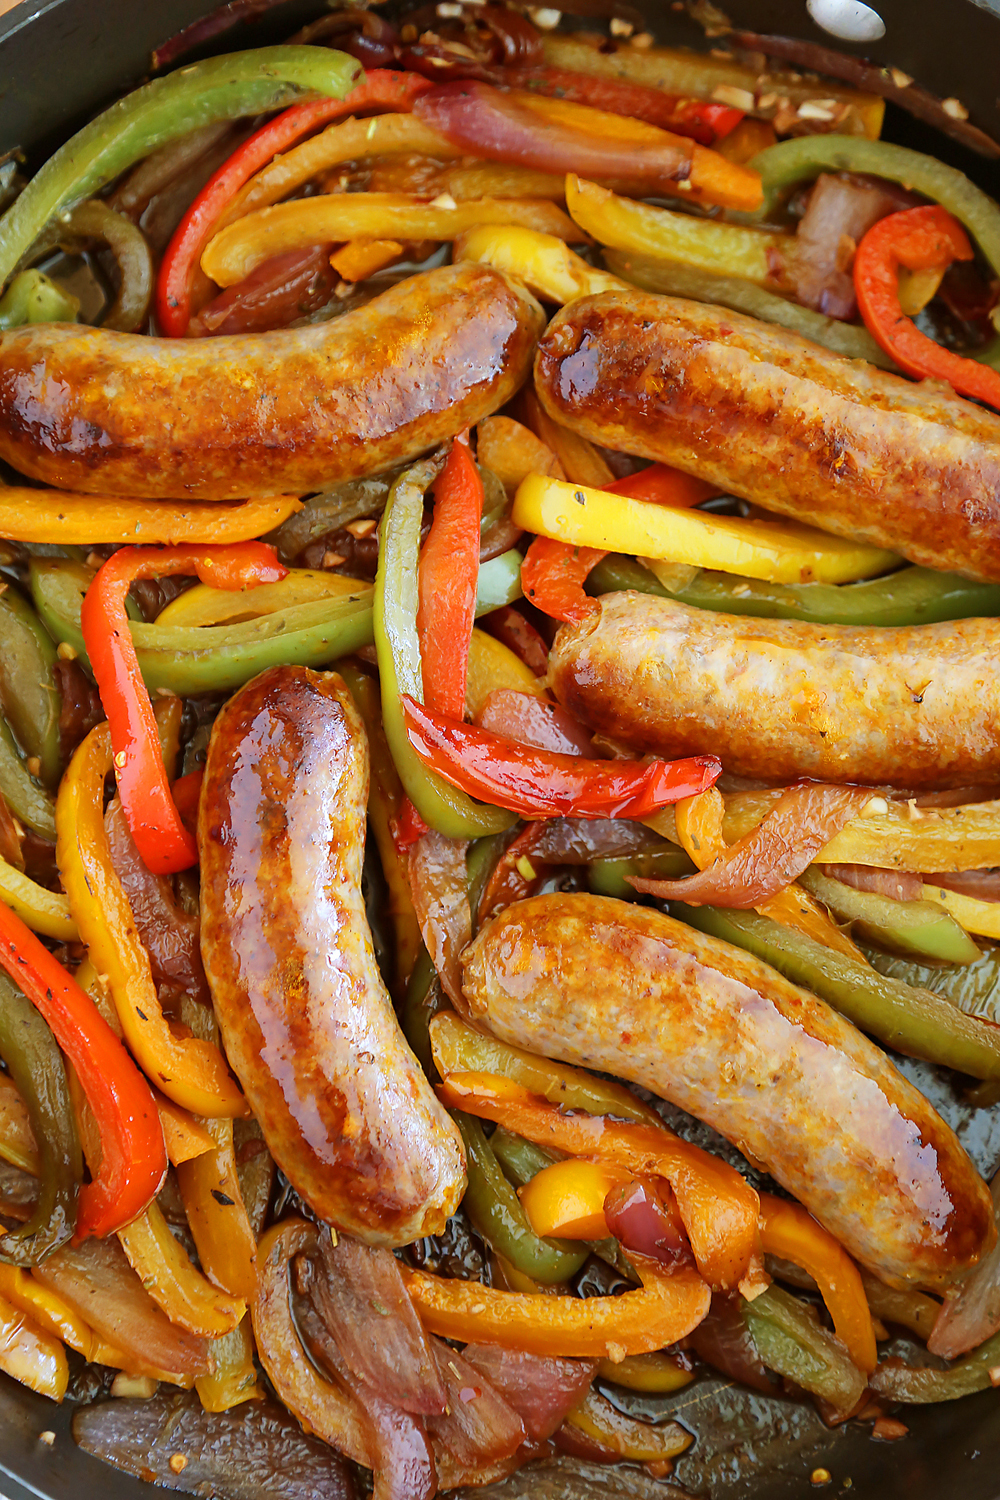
{"points": [[173, 1282], [757, 255], [982, 917], [493, 667], [185, 1137], [210, 1188], [42, 910], [162, 840], [47, 1309], [657, 1374], [385, 801], [567, 1198], [665, 1309], [546, 265], [787, 1230], [34, 1358], [777, 551], [17, 1139], [191, 1072], [630, 1440], [234, 1377], [204, 606], [89, 520], [132, 1156], [458, 1047], [236, 251], [719, 1209]]}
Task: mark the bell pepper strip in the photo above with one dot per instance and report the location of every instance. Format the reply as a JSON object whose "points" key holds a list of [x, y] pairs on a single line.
{"points": [[919, 929], [213, 1201], [204, 607], [718, 1208], [777, 551], [234, 1375], [495, 668], [33, 297], [657, 1374], [503, 1222], [459, 1048], [911, 596], [553, 575], [788, 1231], [702, 120], [191, 1072], [919, 239], [982, 917], [180, 260], [546, 265], [49, 516], [920, 1384], [397, 646], [173, 1282], [46, 1309], [913, 1310], [790, 1340], [29, 693], [42, 910], [36, 1067], [219, 88], [25, 797], [910, 1020], [666, 1309], [627, 1438], [582, 462], [544, 783], [32, 1357], [133, 1159], [567, 1198], [185, 1137], [186, 792], [662, 485], [160, 836], [449, 564]]}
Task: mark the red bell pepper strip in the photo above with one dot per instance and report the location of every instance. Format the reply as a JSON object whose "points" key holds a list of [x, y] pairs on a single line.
{"points": [[449, 569], [921, 239], [408, 827], [545, 784], [186, 792], [162, 840], [702, 120], [379, 89], [553, 573], [133, 1156]]}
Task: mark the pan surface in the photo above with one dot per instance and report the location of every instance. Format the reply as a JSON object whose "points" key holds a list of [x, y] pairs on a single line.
{"points": [[61, 61]]}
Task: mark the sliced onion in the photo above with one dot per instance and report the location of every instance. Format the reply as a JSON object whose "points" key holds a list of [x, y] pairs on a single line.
{"points": [[478, 1427], [968, 1320], [96, 221], [766, 860], [439, 887], [156, 172], [899, 885], [644, 1216], [841, 209], [532, 721], [367, 36], [276, 293], [984, 885], [220, 20], [541, 1390], [723, 1341]]}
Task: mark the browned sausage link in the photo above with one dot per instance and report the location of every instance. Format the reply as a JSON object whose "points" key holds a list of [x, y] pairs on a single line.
{"points": [[273, 413], [913, 707], [307, 1024], [624, 989], [769, 416]]}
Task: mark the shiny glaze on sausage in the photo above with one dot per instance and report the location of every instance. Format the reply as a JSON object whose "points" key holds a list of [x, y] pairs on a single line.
{"points": [[272, 413], [771, 417], [915, 706], [627, 990], [307, 1024]]}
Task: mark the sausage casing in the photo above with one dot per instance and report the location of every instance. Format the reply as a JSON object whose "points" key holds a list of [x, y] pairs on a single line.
{"points": [[769, 416], [273, 413], [306, 1021], [914, 707], [625, 989]]}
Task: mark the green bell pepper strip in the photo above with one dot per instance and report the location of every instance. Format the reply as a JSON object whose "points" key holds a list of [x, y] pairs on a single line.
{"points": [[494, 1209], [220, 658], [676, 279], [790, 162], [424, 998], [36, 1065], [791, 1341], [219, 88], [974, 988], [918, 929], [608, 877], [912, 596], [33, 297], [521, 1160], [909, 1020], [29, 696], [26, 799], [442, 807], [919, 1386]]}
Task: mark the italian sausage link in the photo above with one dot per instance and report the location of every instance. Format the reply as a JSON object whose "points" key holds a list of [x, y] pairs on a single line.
{"points": [[273, 413], [308, 1027], [914, 707], [626, 990], [769, 416]]}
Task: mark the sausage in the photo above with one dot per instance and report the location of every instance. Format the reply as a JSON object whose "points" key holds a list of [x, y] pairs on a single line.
{"points": [[914, 707], [281, 412], [307, 1024], [771, 417], [624, 989]]}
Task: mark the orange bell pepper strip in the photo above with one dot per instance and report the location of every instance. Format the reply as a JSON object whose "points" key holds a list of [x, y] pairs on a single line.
{"points": [[155, 825], [921, 239], [133, 1157], [667, 1308], [449, 568], [213, 1200], [788, 1231], [718, 1207], [172, 1280], [566, 1200], [186, 1137], [90, 520], [191, 1072]]}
